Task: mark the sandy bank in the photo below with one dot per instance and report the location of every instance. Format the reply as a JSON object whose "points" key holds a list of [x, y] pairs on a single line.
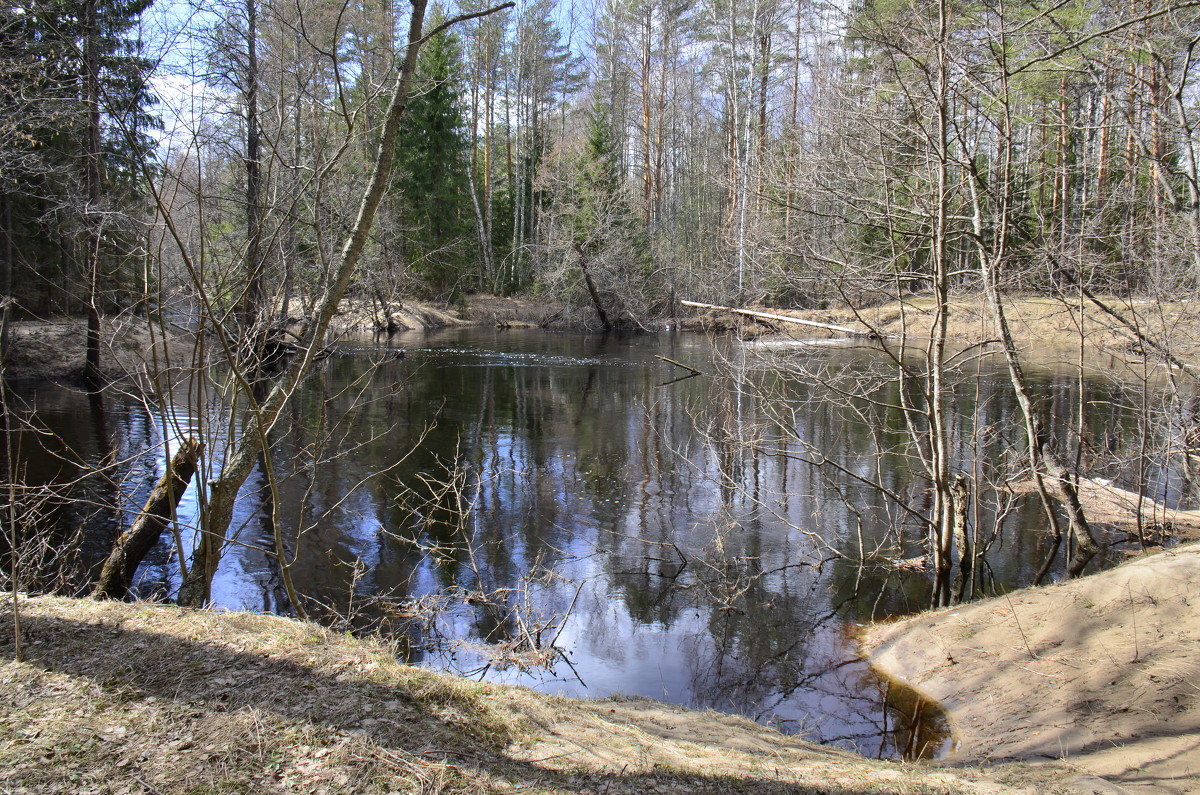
{"points": [[1046, 326], [1102, 673], [53, 350], [364, 317]]}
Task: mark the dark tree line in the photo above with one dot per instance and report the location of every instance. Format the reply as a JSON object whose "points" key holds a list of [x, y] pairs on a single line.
{"points": [[76, 125], [776, 150]]}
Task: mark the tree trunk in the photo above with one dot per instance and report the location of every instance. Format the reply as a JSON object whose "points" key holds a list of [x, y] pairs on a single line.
{"points": [[936, 412], [255, 295], [591, 287], [91, 178], [1043, 462], [6, 272], [136, 542], [1086, 545], [245, 450], [966, 552]]}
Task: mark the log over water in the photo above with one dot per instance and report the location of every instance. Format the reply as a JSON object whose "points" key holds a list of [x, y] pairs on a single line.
{"points": [[136, 542], [782, 318]]}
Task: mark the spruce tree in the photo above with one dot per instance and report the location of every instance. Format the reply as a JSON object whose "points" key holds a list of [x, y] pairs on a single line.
{"points": [[432, 162], [44, 121]]}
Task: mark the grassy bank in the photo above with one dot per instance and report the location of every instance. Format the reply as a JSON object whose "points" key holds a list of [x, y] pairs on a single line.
{"points": [[143, 698]]}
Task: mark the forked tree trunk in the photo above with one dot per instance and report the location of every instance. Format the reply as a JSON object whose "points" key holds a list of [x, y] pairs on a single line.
{"points": [[136, 542]]}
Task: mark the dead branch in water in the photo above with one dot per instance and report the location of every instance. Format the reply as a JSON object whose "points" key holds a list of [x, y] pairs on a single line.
{"points": [[687, 367]]}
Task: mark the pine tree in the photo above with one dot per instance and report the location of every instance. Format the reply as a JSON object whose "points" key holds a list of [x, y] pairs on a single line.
{"points": [[608, 265], [601, 208]]}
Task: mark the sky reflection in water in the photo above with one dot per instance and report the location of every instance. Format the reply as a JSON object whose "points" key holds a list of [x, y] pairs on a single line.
{"points": [[692, 562]]}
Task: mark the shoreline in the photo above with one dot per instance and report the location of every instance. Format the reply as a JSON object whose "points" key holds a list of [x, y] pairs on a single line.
{"points": [[1069, 688], [1096, 677], [53, 349], [145, 698], [1099, 673]]}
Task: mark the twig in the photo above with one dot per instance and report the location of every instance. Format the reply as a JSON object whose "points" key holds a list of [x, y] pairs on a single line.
{"points": [[1019, 629], [449, 23], [147, 785], [567, 615], [610, 781], [11, 520]]}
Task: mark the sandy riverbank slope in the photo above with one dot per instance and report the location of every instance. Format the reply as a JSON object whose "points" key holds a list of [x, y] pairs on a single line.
{"points": [[53, 350], [1049, 328], [1102, 673]]}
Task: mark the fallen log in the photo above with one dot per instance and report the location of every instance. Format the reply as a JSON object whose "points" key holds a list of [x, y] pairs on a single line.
{"points": [[605, 323], [693, 370], [1107, 504], [783, 318]]}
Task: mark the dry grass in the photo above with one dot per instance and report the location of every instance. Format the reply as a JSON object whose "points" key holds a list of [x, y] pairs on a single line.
{"points": [[1040, 323], [116, 698], [170, 700]]}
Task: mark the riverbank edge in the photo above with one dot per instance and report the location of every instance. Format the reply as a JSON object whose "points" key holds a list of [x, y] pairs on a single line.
{"points": [[1096, 674], [145, 698], [52, 350]]}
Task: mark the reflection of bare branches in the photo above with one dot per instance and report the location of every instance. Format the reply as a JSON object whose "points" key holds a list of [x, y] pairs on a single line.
{"points": [[38, 553], [850, 420], [444, 530], [35, 558]]}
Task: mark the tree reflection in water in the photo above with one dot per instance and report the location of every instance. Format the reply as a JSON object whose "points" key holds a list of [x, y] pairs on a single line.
{"points": [[541, 509]]}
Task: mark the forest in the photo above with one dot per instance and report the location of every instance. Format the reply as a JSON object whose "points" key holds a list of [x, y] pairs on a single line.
{"points": [[241, 170], [793, 153], [208, 189]]}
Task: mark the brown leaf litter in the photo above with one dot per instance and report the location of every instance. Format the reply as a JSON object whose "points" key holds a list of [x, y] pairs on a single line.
{"points": [[140, 698]]}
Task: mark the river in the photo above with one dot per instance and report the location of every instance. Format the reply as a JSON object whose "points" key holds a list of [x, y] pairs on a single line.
{"points": [[575, 514]]}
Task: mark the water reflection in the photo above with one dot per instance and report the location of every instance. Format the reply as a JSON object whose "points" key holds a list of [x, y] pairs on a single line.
{"points": [[540, 509]]}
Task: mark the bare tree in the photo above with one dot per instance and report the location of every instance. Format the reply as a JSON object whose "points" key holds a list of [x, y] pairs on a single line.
{"points": [[256, 397]]}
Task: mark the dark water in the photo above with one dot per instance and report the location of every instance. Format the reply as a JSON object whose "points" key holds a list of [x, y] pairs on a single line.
{"points": [[551, 510]]}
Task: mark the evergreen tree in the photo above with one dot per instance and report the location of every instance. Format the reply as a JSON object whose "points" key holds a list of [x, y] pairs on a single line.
{"points": [[601, 206], [608, 265], [432, 166], [44, 119]]}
